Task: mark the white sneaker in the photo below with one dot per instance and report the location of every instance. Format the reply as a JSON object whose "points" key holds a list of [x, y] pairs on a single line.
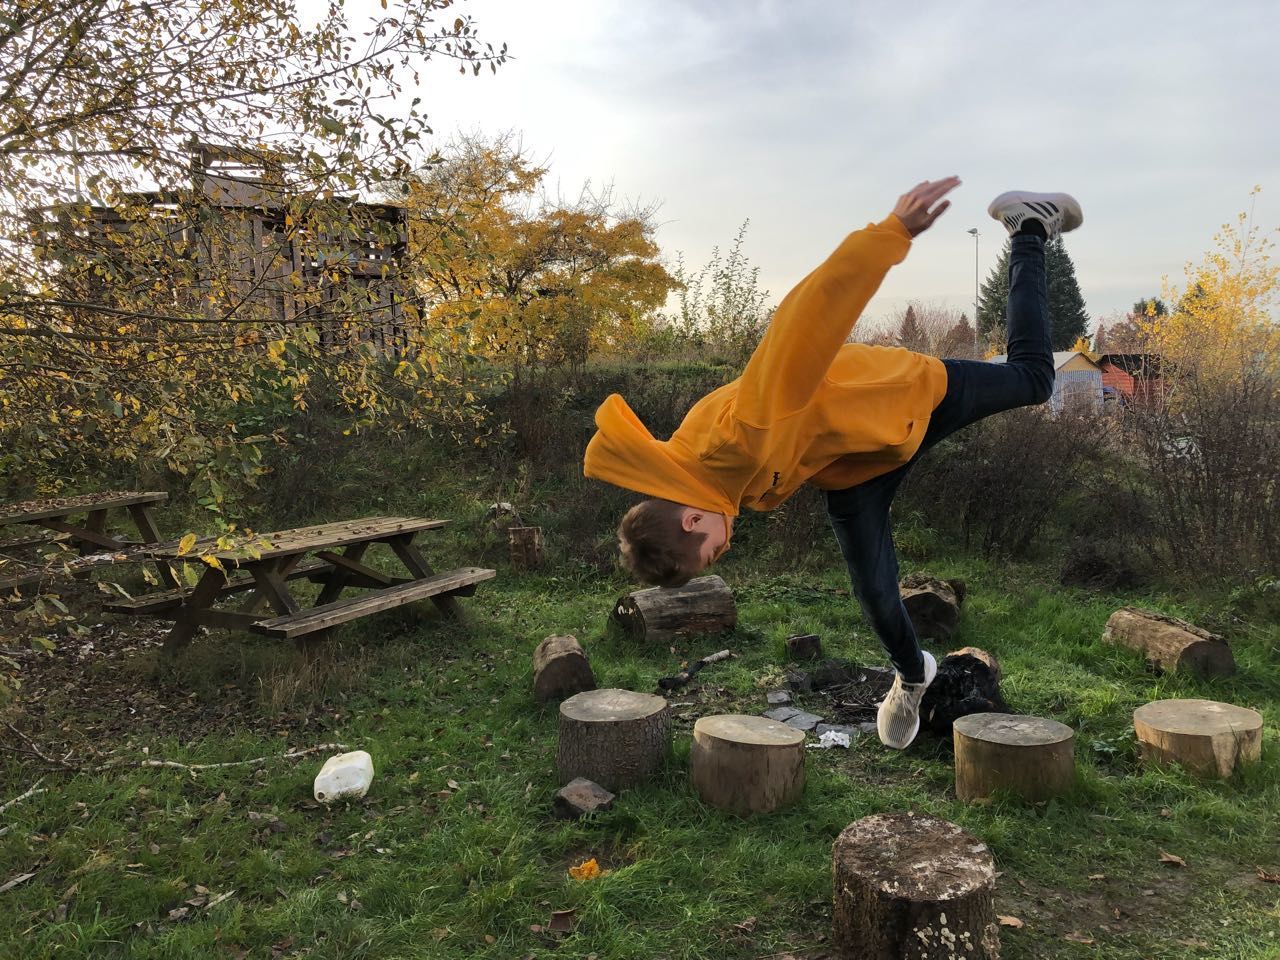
{"points": [[1059, 212], [898, 720]]}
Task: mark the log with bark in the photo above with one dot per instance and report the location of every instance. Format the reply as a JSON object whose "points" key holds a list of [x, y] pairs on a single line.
{"points": [[1170, 644], [617, 738], [908, 885], [660, 614], [561, 669], [526, 546], [967, 682], [1208, 738], [932, 604], [1031, 757], [745, 765]]}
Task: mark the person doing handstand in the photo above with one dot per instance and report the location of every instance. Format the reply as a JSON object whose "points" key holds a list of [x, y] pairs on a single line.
{"points": [[848, 418]]}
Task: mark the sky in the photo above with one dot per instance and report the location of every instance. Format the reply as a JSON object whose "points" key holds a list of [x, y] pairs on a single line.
{"points": [[810, 118]]}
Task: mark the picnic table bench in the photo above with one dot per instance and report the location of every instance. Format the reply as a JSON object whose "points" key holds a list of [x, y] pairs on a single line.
{"points": [[50, 519], [266, 566]]}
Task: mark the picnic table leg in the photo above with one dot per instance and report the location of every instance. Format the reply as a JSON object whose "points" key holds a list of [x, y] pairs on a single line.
{"points": [[253, 603], [417, 564], [96, 523], [273, 587], [201, 598], [149, 533], [337, 580]]}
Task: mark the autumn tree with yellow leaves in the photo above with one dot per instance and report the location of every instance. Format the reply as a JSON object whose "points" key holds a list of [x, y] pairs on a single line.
{"points": [[1212, 446], [523, 280]]}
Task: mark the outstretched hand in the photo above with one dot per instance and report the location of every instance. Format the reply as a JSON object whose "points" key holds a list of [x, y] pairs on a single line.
{"points": [[916, 207]]}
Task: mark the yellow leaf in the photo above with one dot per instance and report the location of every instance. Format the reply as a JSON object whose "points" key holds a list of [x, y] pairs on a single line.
{"points": [[588, 870], [186, 543], [214, 562]]}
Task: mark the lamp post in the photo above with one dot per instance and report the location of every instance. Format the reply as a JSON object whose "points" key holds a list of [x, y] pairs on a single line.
{"points": [[973, 232]]}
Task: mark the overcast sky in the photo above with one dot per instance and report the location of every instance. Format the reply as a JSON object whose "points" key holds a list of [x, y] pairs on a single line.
{"points": [[810, 118]]}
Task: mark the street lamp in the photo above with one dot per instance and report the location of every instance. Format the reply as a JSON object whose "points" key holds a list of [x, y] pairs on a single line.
{"points": [[973, 232]]}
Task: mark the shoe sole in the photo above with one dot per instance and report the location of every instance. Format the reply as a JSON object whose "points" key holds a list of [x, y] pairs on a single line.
{"points": [[930, 673], [1072, 215]]}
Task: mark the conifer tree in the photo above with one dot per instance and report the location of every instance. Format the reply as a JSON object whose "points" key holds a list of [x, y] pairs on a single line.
{"points": [[1068, 318]]}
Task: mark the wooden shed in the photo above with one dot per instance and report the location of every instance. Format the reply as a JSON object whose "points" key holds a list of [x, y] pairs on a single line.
{"points": [[1134, 377]]}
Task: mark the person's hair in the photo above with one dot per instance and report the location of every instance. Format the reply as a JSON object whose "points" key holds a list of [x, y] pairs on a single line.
{"points": [[656, 548]]}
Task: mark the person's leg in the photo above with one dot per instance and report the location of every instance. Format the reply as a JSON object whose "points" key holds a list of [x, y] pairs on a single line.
{"points": [[860, 520], [978, 388]]}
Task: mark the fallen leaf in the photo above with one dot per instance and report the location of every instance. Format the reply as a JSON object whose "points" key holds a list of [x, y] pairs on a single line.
{"points": [[535, 928], [1097, 876], [747, 925], [1266, 877], [278, 948], [1172, 859], [154, 848], [1193, 942], [490, 938], [587, 870], [1166, 812], [562, 921], [440, 932], [1010, 922], [1078, 938], [451, 784]]}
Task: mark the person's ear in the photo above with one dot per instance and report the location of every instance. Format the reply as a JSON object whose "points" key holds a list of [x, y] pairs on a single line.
{"points": [[689, 522]]}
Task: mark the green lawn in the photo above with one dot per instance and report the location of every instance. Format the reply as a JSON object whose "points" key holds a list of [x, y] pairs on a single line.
{"points": [[454, 852]]}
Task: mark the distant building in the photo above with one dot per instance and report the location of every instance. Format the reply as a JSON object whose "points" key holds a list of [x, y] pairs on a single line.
{"points": [[1077, 382], [1135, 378]]}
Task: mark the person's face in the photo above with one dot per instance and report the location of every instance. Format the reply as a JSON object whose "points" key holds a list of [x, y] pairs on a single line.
{"points": [[717, 530]]}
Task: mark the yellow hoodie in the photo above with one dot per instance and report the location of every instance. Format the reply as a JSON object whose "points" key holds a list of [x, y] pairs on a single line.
{"points": [[808, 407]]}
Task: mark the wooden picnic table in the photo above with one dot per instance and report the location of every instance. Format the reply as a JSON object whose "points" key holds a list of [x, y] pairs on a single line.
{"points": [[52, 518], [271, 561]]}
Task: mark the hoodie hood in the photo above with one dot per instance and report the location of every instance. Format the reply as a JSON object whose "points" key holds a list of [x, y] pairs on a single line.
{"points": [[624, 453]]}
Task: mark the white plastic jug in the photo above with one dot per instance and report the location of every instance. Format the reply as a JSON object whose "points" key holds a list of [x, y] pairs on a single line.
{"points": [[346, 775]]}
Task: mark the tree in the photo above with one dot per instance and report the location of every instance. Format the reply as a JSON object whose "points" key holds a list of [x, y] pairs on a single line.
{"points": [[523, 280], [910, 334], [1068, 318], [117, 333]]}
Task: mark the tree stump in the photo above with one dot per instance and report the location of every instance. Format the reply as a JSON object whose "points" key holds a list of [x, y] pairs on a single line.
{"points": [[912, 886], [804, 646], [1208, 738], [1170, 644], [967, 682], [561, 669], [932, 604], [617, 738], [746, 765], [526, 547], [1029, 756], [659, 614]]}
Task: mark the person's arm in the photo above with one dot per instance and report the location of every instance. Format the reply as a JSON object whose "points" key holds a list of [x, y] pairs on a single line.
{"points": [[815, 318]]}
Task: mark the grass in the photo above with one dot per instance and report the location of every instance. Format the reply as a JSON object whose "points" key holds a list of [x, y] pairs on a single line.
{"points": [[455, 853]]}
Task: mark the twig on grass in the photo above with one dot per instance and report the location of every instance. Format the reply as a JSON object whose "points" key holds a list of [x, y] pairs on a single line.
{"points": [[197, 767], [30, 793], [680, 679], [35, 748]]}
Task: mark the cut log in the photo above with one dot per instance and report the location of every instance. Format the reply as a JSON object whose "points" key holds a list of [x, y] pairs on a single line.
{"points": [[746, 765], [526, 547], [1031, 757], [908, 885], [660, 614], [978, 654], [1208, 738], [1170, 644], [804, 646], [617, 738], [967, 682], [932, 604], [561, 669]]}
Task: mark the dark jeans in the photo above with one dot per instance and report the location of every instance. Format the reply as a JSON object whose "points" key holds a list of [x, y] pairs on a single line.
{"points": [[975, 389]]}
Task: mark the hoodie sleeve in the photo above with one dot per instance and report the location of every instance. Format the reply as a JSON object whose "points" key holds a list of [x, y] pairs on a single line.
{"points": [[814, 320]]}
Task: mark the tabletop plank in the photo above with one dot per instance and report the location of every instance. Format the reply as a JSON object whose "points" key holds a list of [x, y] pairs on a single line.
{"points": [[284, 543], [29, 510]]}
